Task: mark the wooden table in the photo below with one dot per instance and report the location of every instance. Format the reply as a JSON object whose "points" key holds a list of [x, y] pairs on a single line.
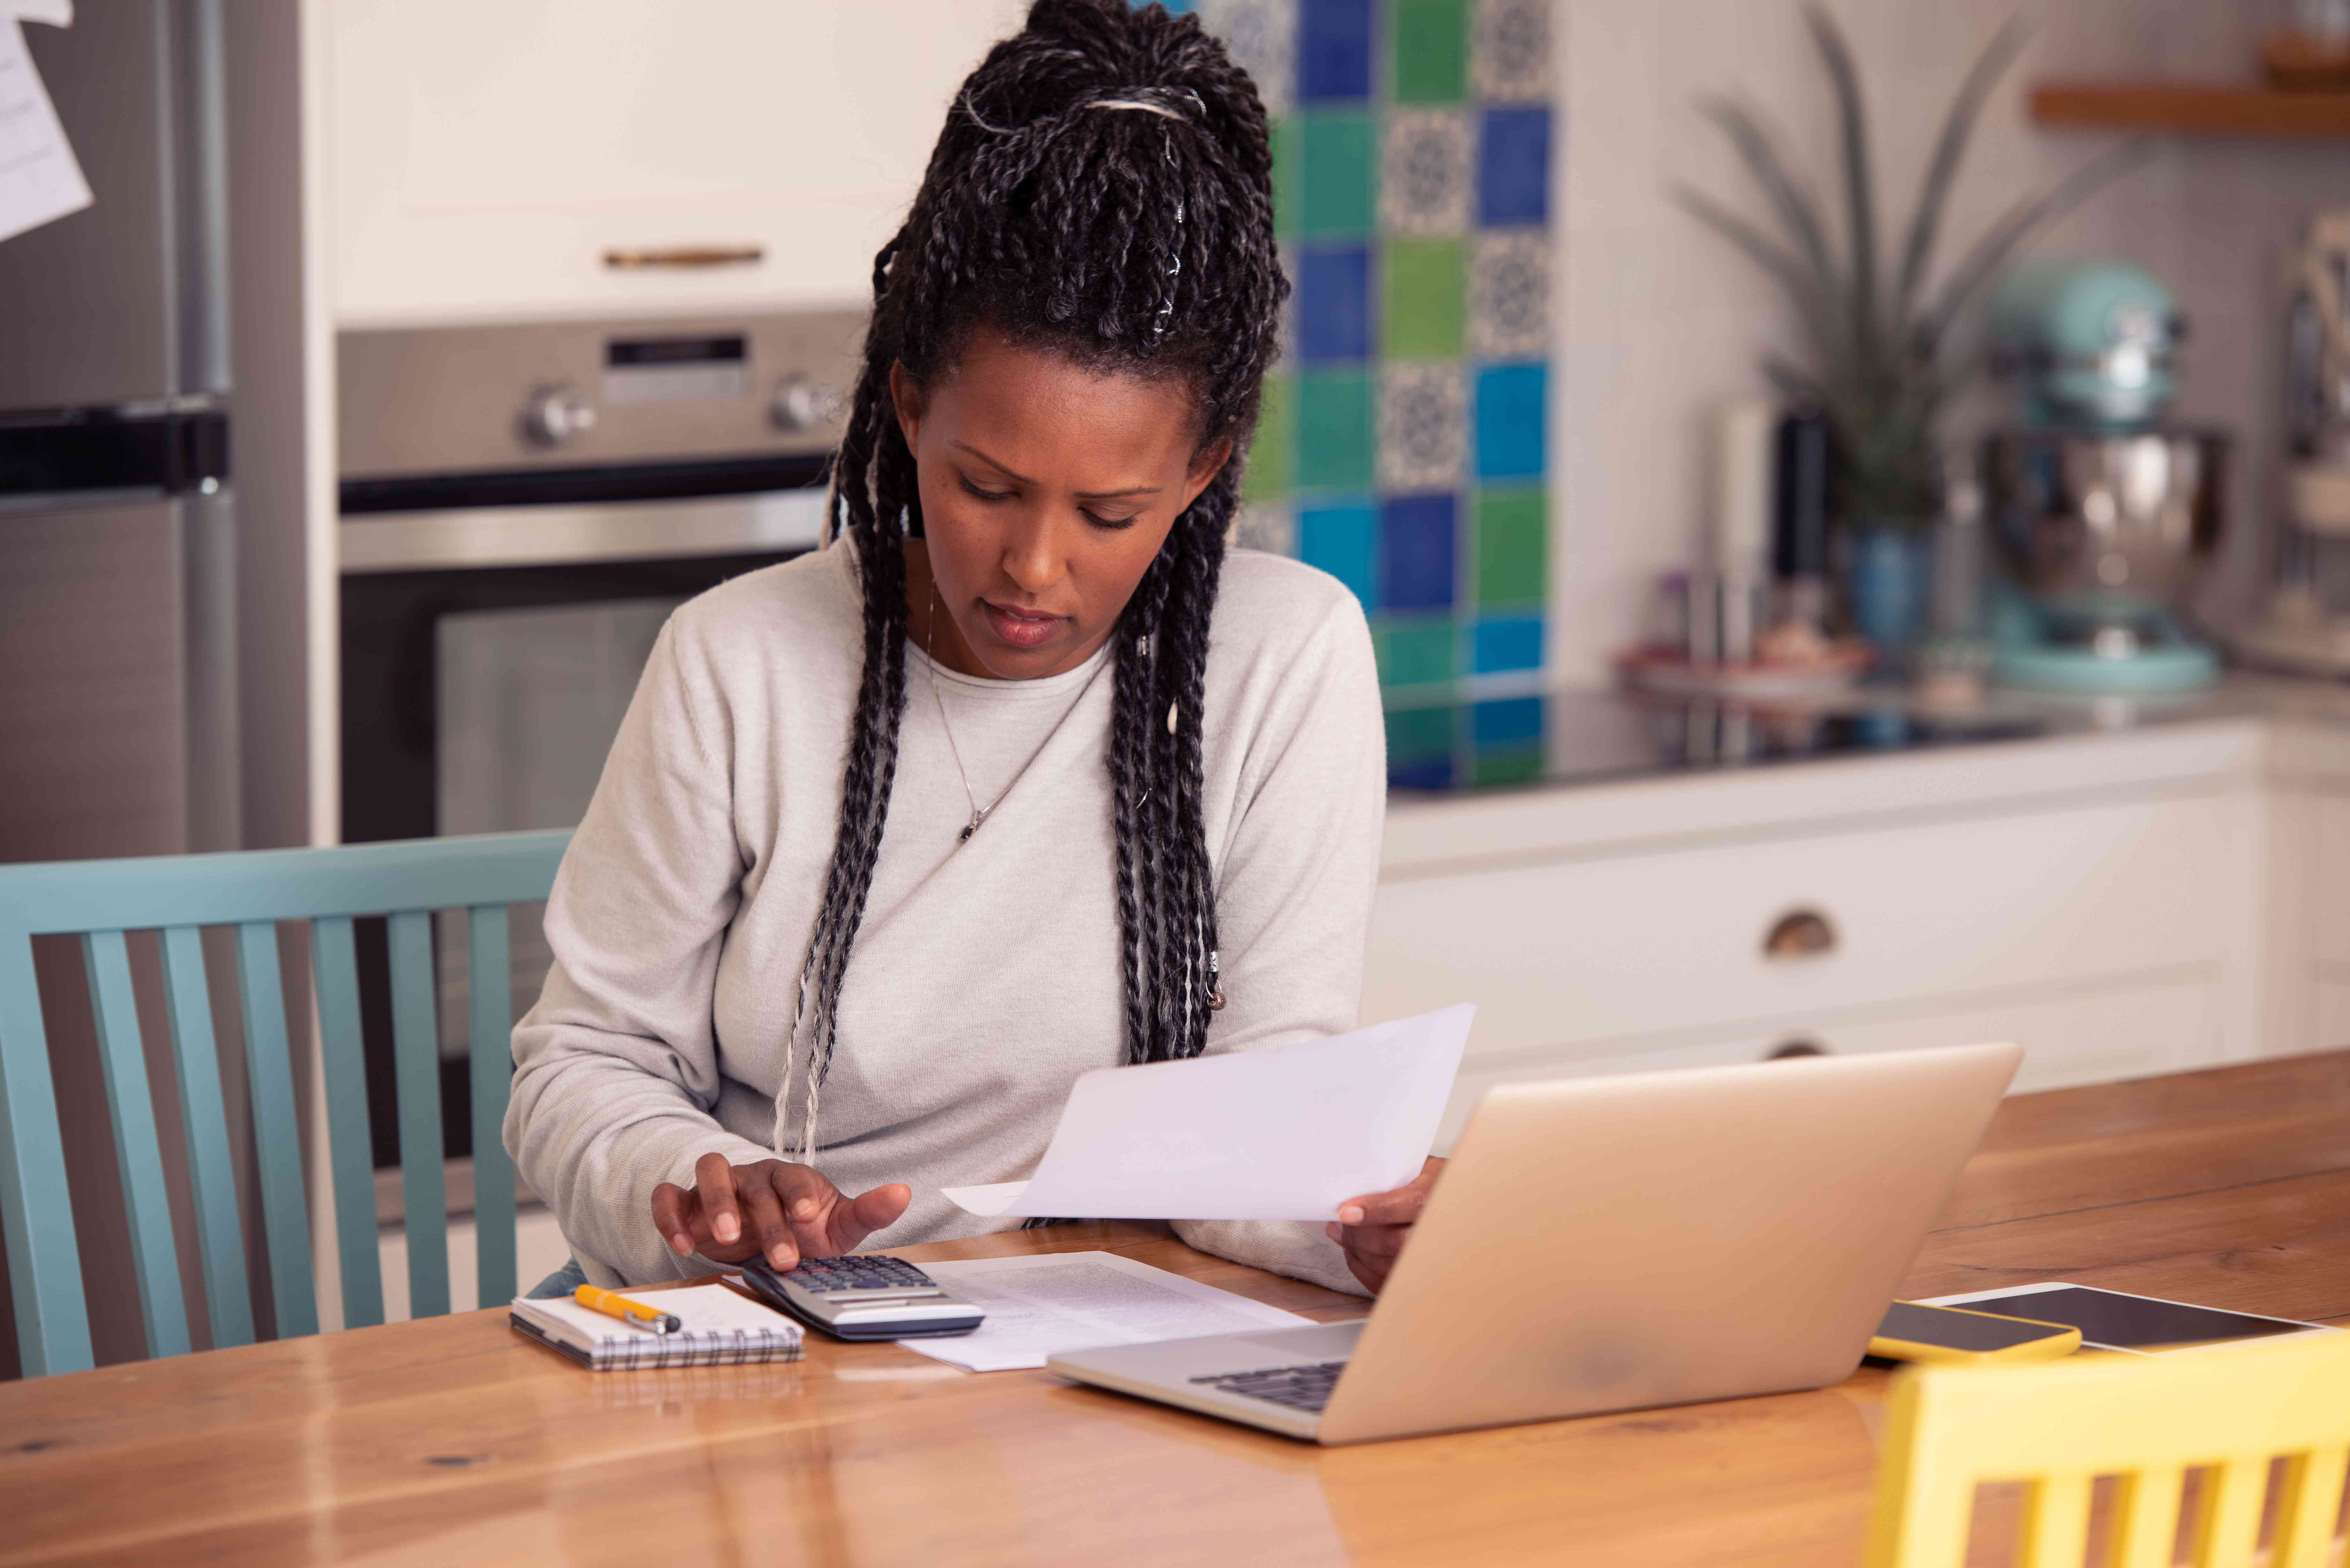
{"points": [[451, 1441]]}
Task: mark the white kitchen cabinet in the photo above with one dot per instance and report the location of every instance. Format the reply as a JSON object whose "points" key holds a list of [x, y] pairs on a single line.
{"points": [[2098, 898], [2131, 1030], [484, 158], [2308, 903]]}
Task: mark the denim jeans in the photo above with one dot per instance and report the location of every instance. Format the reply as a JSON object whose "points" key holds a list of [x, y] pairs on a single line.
{"points": [[561, 1282]]}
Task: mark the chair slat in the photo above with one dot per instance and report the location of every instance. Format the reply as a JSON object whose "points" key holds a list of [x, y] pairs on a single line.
{"points": [[220, 1233], [350, 1149], [416, 1059], [142, 892], [2229, 1534], [2312, 1501], [36, 1214], [493, 1077], [269, 1072], [2146, 1518], [138, 1150], [2056, 1522]]}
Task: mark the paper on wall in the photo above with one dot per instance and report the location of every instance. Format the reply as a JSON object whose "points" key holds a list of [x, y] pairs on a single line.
{"points": [[1284, 1134], [1044, 1304], [40, 179]]}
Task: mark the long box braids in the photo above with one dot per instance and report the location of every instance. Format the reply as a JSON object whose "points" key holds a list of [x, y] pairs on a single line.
{"points": [[1102, 188]]}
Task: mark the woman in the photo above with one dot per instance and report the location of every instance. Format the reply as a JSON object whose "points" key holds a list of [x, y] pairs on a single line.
{"points": [[1020, 776]]}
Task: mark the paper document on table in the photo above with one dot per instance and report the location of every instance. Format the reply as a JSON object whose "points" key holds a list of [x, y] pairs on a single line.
{"points": [[1042, 1305], [1285, 1134], [40, 179]]}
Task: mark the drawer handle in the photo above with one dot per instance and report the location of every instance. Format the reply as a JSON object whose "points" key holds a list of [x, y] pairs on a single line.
{"points": [[1788, 1050], [1799, 934], [686, 256]]}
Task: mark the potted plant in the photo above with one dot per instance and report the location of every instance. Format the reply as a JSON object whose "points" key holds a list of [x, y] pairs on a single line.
{"points": [[1882, 355]]}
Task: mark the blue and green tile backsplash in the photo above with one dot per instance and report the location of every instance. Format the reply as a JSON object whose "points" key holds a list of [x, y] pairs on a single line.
{"points": [[1404, 443]]}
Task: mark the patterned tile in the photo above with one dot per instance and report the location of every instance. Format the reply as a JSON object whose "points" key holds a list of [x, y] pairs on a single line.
{"points": [[1334, 50], [1424, 299], [1262, 37], [1500, 644], [1336, 174], [1335, 435], [1418, 547], [1423, 426], [1272, 529], [1271, 471], [1509, 294], [1428, 50], [1402, 445], [1522, 762], [1425, 172], [1417, 650], [1334, 305], [1511, 412], [1288, 177], [1341, 540], [1508, 51], [1510, 722], [1514, 166], [1513, 554], [1420, 748]]}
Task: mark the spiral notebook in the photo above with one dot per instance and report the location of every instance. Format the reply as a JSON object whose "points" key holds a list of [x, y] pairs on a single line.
{"points": [[723, 1328]]}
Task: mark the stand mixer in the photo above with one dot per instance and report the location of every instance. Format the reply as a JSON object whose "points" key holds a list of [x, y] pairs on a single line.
{"points": [[2307, 629], [2103, 512]]}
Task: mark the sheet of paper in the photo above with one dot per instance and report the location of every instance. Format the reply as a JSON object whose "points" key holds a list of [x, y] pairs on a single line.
{"points": [[40, 179], [1285, 1134], [1040, 1305], [55, 13]]}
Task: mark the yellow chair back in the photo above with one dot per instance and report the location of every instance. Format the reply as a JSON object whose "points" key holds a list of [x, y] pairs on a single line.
{"points": [[2057, 1425]]}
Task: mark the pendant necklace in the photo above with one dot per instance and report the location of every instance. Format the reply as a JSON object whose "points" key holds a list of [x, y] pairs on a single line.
{"points": [[978, 814]]}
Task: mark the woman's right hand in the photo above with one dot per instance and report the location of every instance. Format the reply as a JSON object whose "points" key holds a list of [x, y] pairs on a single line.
{"points": [[774, 1208]]}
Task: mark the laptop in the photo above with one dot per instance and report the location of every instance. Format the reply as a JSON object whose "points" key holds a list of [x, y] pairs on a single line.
{"points": [[1613, 1243]]}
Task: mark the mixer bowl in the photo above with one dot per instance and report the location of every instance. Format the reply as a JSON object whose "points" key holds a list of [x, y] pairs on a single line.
{"points": [[2102, 527]]}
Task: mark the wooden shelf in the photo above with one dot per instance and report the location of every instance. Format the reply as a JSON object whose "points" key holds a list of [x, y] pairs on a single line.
{"points": [[2190, 107]]}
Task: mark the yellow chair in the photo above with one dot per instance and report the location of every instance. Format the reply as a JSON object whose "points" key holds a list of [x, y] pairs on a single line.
{"points": [[2059, 1425]]}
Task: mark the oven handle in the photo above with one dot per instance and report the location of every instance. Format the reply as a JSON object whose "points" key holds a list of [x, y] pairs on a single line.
{"points": [[600, 531], [685, 256]]}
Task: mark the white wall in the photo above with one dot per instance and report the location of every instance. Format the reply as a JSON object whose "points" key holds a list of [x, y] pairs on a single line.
{"points": [[1661, 319], [539, 1250]]}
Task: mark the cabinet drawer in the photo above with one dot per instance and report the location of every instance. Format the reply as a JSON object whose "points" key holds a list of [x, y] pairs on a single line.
{"points": [[2331, 882], [1588, 951], [483, 159], [2332, 1022], [2088, 1039]]}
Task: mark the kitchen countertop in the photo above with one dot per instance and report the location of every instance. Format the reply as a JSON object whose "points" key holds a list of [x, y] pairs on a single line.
{"points": [[1557, 738]]}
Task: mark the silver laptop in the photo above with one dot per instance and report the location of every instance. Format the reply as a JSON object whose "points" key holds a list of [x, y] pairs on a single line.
{"points": [[1612, 1244]]}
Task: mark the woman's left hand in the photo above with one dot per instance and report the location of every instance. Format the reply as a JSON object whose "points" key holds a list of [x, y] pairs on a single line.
{"points": [[1371, 1230]]}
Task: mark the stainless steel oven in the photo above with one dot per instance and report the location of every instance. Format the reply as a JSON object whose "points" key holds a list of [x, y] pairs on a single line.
{"points": [[522, 506]]}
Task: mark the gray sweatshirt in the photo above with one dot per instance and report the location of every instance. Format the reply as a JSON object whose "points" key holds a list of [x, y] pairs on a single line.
{"points": [[985, 975]]}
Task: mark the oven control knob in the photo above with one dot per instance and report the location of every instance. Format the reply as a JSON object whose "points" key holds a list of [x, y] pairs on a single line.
{"points": [[555, 414], [803, 403]]}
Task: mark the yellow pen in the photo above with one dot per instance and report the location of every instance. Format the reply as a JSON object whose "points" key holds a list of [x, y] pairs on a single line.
{"points": [[614, 1304]]}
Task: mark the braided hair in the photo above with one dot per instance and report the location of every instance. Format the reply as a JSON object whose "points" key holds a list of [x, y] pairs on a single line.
{"points": [[1102, 190]]}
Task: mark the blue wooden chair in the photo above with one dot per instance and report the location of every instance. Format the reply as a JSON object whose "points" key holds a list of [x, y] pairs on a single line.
{"points": [[100, 900]]}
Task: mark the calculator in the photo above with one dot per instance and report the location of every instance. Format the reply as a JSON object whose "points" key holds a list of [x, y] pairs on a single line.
{"points": [[866, 1296]]}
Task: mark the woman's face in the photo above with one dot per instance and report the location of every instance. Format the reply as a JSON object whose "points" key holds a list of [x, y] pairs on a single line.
{"points": [[1047, 491]]}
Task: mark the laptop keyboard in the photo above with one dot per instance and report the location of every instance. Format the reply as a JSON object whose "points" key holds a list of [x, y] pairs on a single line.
{"points": [[1303, 1387]]}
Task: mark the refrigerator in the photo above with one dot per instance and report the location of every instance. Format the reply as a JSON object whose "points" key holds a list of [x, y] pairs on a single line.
{"points": [[117, 568]]}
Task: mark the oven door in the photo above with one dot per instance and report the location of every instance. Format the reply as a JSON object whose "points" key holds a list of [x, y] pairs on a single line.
{"points": [[488, 656]]}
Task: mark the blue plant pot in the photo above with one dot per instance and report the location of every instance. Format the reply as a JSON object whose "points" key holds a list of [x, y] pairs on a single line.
{"points": [[1889, 584]]}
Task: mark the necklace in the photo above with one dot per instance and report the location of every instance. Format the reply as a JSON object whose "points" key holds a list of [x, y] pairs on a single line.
{"points": [[978, 814]]}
